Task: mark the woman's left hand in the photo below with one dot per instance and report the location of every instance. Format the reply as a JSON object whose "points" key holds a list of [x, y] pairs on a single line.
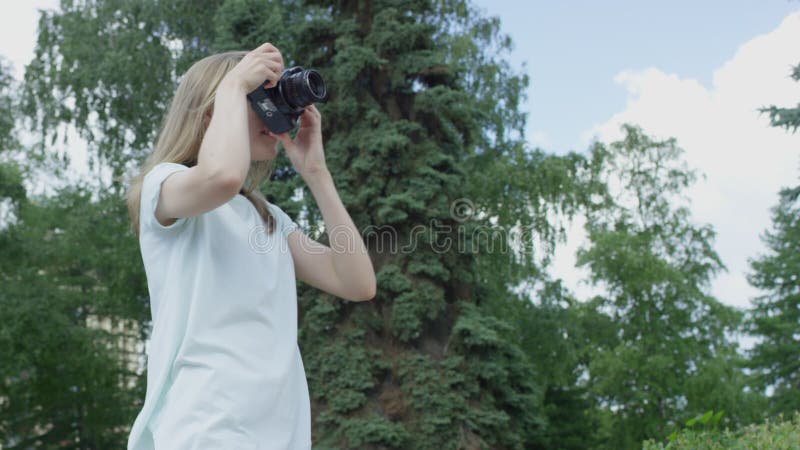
{"points": [[305, 150]]}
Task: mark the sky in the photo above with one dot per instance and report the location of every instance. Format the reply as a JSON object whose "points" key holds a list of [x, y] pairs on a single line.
{"points": [[696, 71], [18, 23], [574, 49]]}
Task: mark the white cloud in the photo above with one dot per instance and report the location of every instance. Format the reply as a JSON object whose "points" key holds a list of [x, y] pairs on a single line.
{"points": [[745, 160]]}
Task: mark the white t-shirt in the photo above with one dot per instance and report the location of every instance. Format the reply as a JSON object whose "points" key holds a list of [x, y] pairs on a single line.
{"points": [[224, 367]]}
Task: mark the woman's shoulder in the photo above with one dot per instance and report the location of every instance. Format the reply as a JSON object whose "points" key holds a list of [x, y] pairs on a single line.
{"points": [[166, 166]]}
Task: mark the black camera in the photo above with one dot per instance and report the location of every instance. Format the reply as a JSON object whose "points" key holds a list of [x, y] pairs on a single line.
{"points": [[280, 106]]}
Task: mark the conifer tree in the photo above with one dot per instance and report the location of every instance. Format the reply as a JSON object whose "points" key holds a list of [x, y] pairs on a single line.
{"points": [[775, 318], [786, 117], [422, 366]]}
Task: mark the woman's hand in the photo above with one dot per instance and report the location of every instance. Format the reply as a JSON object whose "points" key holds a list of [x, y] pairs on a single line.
{"points": [[305, 150], [262, 64]]}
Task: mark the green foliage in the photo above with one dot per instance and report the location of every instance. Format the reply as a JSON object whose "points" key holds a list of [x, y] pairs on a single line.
{"points": [[62, 380], [775, 316], [773, 435], [788, 118], [420, 111], [343, 371], [655, 267], [107, 81], [246, 24], [12, 173], [434, 397], [8, 106], [457, 394], [62, 267]]}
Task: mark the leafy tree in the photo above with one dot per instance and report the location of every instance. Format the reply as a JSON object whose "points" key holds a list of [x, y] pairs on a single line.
{"points": [[12, 190], [7, 126], [560, 334], [654, 266], [69, 381], [64, 381]]}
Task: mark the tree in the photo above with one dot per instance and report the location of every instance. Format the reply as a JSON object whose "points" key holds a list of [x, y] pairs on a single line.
{"points": [[788, 118], [68, 380], [12, 190], [654, 266], [775, 317], [422, 366], [560, 334], [62, 384]]}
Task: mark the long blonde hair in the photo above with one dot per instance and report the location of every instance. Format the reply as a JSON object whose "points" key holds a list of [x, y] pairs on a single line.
{"points": [[182, 133]]}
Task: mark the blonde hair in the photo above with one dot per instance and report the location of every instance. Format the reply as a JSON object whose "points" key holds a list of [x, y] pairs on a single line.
{"points": [[182, 131]]}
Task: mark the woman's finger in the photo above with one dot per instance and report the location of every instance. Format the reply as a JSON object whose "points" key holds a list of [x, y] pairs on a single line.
{"points": [[265, 47], [273, 67], [272, 73], [265, 57], [274, 56], [310, 116], [285, 139]]}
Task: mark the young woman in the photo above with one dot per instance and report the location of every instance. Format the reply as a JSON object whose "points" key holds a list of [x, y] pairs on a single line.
{"points": [[224, 370]]}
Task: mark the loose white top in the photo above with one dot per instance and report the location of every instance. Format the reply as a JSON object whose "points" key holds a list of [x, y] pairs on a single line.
{"points": [[224, 370]]}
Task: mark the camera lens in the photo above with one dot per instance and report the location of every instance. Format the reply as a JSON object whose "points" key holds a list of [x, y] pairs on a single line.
{"points": [[316, 85], [304, 88]]}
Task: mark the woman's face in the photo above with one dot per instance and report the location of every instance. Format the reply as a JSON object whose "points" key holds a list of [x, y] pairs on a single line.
{"points": [[263, 147]]}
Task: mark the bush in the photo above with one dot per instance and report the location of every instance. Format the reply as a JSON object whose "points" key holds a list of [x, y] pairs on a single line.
{"points": [[779, 435]]}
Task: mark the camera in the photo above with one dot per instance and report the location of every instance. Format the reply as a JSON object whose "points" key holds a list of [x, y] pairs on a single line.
{"points": [[280, 106]]}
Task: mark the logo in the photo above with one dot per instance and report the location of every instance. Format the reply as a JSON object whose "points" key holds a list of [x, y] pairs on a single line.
{"points": [[267, 107]]}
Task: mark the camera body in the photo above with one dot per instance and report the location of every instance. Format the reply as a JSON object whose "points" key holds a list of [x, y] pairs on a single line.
{"points": [[280, 106]]}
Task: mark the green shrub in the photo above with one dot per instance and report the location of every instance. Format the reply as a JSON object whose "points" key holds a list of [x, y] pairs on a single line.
{"points": [[778, 435]]}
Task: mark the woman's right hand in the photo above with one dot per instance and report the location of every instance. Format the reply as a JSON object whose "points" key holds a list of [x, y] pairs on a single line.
{"points": [[263, 63]]}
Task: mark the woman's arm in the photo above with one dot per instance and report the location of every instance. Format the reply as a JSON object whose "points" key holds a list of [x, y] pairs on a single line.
{"points": [[224, 156], [226, 144], [343, 269]]}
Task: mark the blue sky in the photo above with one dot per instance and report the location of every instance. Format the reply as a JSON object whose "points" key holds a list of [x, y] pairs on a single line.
{"points": [[574, 48]]}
